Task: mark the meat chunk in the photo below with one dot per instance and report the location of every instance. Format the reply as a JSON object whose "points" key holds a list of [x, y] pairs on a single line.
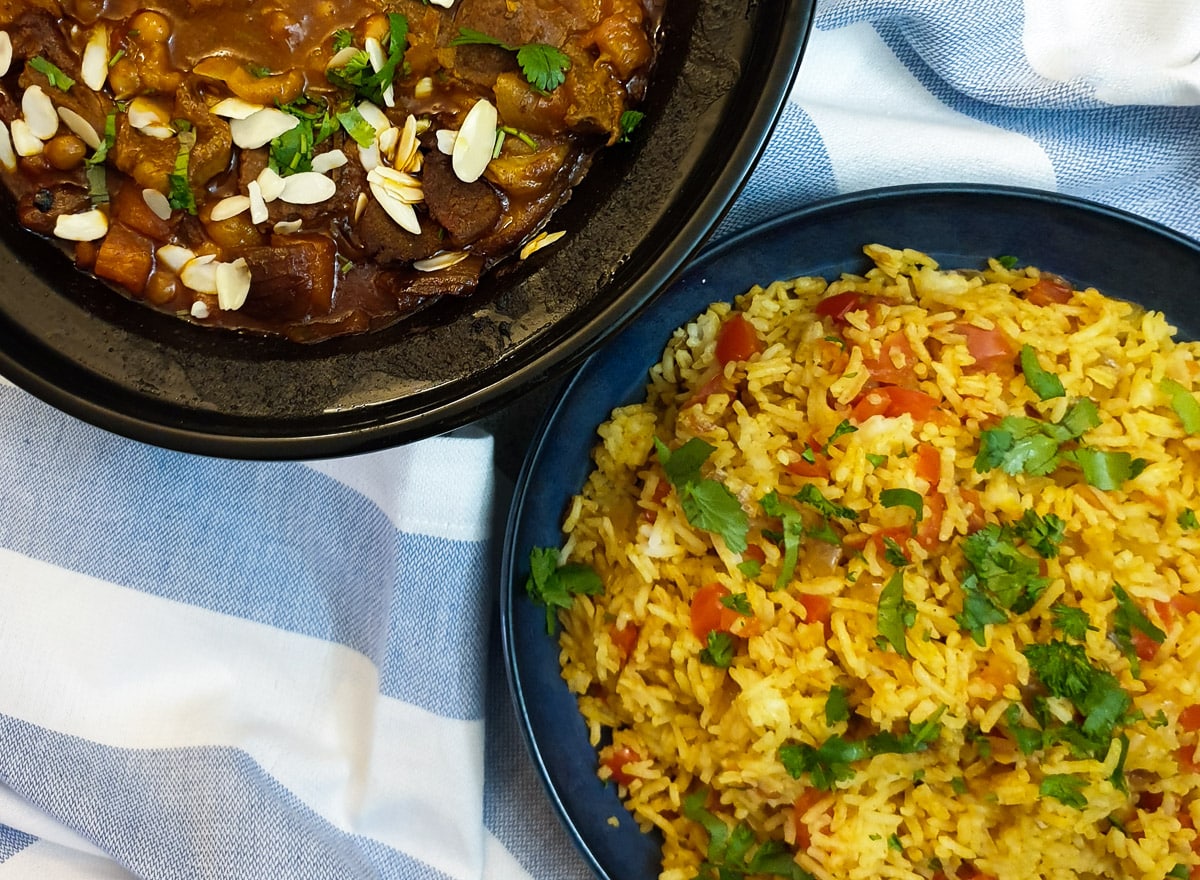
{"points": [[40, 208], [290, 277], [466, 210], [35, 33], [386, 243]]}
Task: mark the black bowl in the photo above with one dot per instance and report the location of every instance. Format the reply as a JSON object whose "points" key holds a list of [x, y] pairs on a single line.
{"points": [[1121, 255], [724, 73]]}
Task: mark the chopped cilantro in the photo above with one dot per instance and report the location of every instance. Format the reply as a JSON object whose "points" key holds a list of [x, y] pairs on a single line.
{"points": [[179, 191], [1127, 618], [837, 706], [1007, 261], [738, 602], [894, 553], [1187, 519], [1184, 403], [1105, 470], [360, 77], [1066, 788], [734, 853], [555, 586], [57, 78], [1180, 872], [707, 503], [292, 152], [356, 125], [904, 498], [830, 762], [1042, 533], [1117, 777], [544, 66], [793, 530], [342, 39], [958, 785], [751, 568], [630, 120], [999, 579], [895, 614], [718, 650], [1028, 739], [1073, 622], [811, 495], [1042, 382], [894, 843], [1065, 671], [843, 428], [876, 460], [1023, 445]]}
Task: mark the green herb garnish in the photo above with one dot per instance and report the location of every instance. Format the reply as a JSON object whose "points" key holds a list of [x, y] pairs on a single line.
{"points": [[837, 706], [904, 498], [1127, 618], [707, 503], [554, 585], [57, 78], [1071, 621], [718, 650], [544, 66], [1065, 787], [895, 614], [1042, 382], [733, 852], [179, 191], [1184, 403], [630, 120]]}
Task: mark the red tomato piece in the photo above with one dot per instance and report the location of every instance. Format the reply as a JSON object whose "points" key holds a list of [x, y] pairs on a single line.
{"points": [[817, 609], [899, 534], [1189, 718], [818, 467], [839, 305], [802, 805], [1049, 290], [737, 340], [625, 638], [893, 402], [708, 614], [991, 349], [1144, 646], [931, 522], [616, 759], [895, 362], [929, 464], [1186, 756]]}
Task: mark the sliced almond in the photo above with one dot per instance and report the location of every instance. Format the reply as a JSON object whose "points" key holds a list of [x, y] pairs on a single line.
{"points": [[8, 156], [408, 146], [174, 257], [235, 108], [161, 132], [25, 143], [93, 68], [233, 284], [375, 117], [475, 141], [360, 205], [402, 186], [39, 113], [271, 184], [260, 128], [157, 203], [200, 274], [307, 188], [375, 53], [445, 4], [388, 138], [258, 205], [323, 163], [445, 140], [200, 310], [5, 53], [368, 157], [342, 58], [229, 207], [400, 211], [88, 226], [80, 127], [287, 227], [539, 241], [423, 88], [441, 260], [389, 95], [144, 112]]}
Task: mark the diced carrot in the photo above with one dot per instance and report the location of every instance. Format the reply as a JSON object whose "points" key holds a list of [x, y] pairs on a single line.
{"points": [[130, 208], [125, 258]]}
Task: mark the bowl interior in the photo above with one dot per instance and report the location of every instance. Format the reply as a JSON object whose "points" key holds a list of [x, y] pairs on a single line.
{"points": [[724, 72], [961, 226]]}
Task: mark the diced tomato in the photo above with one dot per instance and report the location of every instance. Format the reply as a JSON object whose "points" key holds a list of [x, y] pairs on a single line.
{"points": [[931, 521], [899, 534], [802, 805], [708, 614], [616, 759], [991, 349], [1189, 718], [1183, 604], [660, 492], [893, 402], [817, 609], [737, 340], [1186, 756], [929, 464], [839, 305], [1143, 645], [1149, 800], [714, 383], [756, 553], [818, 467], [894, 366], [624, 638], [1049, 290]]}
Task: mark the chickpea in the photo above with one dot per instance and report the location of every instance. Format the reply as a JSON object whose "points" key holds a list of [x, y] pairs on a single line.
{"points": [[161, 287], [151, 27], [66, 152], [124, 79]]}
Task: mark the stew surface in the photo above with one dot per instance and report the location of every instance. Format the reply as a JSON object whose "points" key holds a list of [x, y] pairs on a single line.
{"points": [[312, 167]]}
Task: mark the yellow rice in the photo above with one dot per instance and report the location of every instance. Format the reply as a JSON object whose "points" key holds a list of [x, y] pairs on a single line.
{"points": [[961, 807]]}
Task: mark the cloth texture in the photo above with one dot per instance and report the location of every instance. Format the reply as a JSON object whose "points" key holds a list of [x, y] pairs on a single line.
{"points": [[226, 669]]}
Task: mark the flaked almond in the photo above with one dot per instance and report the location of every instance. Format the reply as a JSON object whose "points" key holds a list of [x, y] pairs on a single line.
{"points": [[445, 4], [271, 184], [323, 163], [539, 241], [368, 157], [229, 207], [260, 128], [39, 113], [342, 58], [93, 68], [400, 184], [423, 88], [145, 112], [80, 127], [440, 260], [360, 205], [307, 188], [388, 138], [8, 156], [174, 257], [288, 227], [258, 205], [200, 274], [5, 53], [25, 143], [374, 117], [235, 108], [233, 284], [473, 146], [157, 203], [88, 226], [400, 211], [200, 310], [161, 132], [445, 140], [407, 156], [375, 53]]}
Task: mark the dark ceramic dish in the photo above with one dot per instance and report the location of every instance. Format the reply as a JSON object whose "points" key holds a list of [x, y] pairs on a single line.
{"points": [[960, 226], [725, 71]]}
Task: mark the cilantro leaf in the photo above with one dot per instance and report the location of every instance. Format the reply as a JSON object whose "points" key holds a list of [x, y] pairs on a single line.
{"points": [[904, 498], [1007, 261], [555, 586], [707, 503], [751, 568], [1184, 403], [342, 39], [544, 66], [1008, 576], [1073, 622], [793, 530], [894, 613], [1117, 777], [1180, 872], [1042, 382], [718, 651], [1105, 470], [57, 78], [732, 853], [356, 125], [1028, 739], [1066, 788], [1023, 445], [179, 191], [826, 765], [1187, 519], [1127, 618], [1065, 671], [894, 553], [630, 120], [811, 495], [358, 74], [1042, 533], [876, 460], [837, 706], [738, 602]]}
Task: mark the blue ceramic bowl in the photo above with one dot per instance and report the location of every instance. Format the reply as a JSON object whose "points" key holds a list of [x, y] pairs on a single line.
{"points": [[960, 226]]}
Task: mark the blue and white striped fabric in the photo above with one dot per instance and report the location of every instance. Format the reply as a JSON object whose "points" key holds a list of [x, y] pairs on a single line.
{"points": [[216, 669]]}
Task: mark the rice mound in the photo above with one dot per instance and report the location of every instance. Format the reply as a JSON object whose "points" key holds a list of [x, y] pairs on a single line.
{"points": [[974, 799]]}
